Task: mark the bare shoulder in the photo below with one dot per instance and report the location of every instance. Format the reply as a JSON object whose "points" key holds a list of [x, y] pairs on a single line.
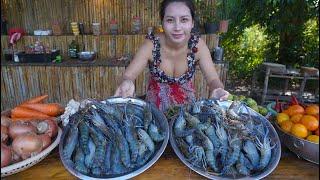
{"points": [[145, 50], [202, 45]]}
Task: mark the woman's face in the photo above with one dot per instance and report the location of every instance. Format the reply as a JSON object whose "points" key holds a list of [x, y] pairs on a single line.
{"points": [[177, 22]]}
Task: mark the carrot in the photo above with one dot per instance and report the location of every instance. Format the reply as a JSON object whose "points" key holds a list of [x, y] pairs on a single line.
{"points": [[50, 109], [23, 112], [31, 119], [38, 99]]}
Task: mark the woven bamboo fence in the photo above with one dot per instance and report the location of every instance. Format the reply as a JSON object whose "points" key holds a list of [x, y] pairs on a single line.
{"points": [[62, 84], [40, 14]]}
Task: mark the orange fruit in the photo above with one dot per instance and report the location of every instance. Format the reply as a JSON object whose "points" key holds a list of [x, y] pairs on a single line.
{"points": [[286, 111], [310, 122], [313, 138], [282, 117], [316, 116], [309, 132], [299, 130], [295, 109], [296, 118], [312, 109], [286, 126]]}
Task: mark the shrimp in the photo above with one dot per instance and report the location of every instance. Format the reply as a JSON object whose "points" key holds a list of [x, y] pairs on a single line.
{"points": [[71, 141], [234, 110], [251, 152], [208, 147], [84, 137], [107, 161], [242, 164], [147, 116], [194, 154], [211, 133], [144, 136], [180, 126], [116, 165], [154, 133], [79, 161], [89, 157], [265, 150], [100, 151], [223, 139], [196, 108], [233, 155], [130, 135]]}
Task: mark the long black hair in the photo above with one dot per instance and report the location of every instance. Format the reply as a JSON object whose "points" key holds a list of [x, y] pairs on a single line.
{"points": [[165, 3]]}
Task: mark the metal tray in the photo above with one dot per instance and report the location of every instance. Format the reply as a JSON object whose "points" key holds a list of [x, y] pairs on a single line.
{"points": [[159, 148], [276, 151], [301, 147]]}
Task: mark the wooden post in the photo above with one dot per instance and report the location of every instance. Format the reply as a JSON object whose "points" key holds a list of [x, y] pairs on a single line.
{"points": [[265, 88]]}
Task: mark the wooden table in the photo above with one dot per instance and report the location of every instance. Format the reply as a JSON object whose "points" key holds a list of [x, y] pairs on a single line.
{"points": [[170, 167]]}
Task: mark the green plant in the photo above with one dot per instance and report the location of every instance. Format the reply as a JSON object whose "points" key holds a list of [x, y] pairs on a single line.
{"points": [[225, 8], [246, 52]]}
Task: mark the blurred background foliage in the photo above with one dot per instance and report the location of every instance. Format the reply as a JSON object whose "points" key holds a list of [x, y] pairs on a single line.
{"points": [[280, 31]]}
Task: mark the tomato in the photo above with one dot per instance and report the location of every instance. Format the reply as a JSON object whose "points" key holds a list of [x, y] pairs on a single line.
{"points": [[282, 117], [310, 122], [312, 109], [299, 130], [313, 138], [296, 118], [286, 126]]}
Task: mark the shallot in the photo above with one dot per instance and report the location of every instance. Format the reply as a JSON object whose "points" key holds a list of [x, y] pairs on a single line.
{"points": [[5, 121], [26, 145], [5, 155], [4, 134], [18, 128], [46, 140]]}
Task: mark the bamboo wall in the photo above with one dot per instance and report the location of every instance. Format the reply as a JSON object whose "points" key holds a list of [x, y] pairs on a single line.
{"points": [[39, 14], [62, 84]]}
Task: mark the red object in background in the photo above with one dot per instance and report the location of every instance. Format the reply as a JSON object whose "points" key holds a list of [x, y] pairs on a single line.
{"points": [[15, 34], [278, 106], [294, 100]]}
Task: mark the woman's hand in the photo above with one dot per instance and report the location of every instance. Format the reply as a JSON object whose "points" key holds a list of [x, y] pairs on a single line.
{"points": [[220, 94], [126, 89]]}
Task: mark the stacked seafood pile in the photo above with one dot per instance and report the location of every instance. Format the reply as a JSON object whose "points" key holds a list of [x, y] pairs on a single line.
{"points": [[221, 141], [103, 139]]}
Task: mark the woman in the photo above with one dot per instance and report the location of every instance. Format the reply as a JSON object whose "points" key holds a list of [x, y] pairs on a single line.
{"points": [[172, 57]]}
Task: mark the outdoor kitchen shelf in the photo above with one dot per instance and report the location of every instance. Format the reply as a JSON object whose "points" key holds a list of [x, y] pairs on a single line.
{"points": [[304, 77]]}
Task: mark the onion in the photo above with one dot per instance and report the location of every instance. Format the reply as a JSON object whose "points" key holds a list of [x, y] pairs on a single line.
{"points": [[5, 121], [4, 134], [26, 145], [50, 128], [19, 127], [5, 155], [46, 140], [15, 157]]}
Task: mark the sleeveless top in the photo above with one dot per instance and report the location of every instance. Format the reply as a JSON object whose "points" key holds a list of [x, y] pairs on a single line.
{"points": [[165, 91]]}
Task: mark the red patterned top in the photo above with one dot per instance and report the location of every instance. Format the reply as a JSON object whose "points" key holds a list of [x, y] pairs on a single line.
{"points": [[165, 91]]}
